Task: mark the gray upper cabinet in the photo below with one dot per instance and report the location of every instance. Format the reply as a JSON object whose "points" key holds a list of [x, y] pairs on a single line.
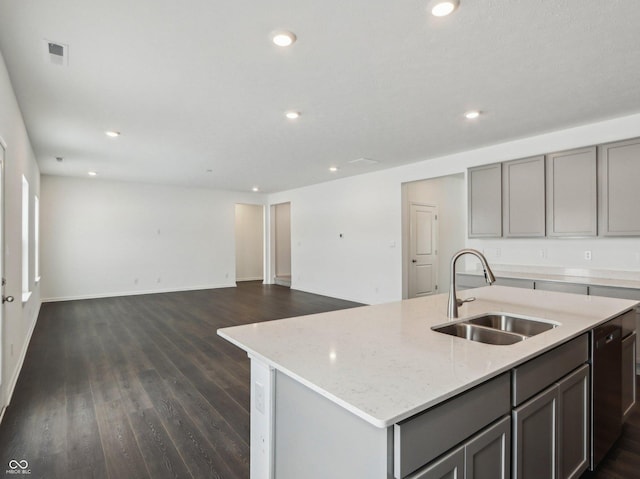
{"points": [[523, 189], [618, 176], [572, 193], [485, 201]]}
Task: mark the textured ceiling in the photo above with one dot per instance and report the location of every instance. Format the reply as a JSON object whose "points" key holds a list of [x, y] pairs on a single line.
{"points": [[197, 85]]}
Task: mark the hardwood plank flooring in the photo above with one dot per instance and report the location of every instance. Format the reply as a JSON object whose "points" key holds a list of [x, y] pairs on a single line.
{"points": [[141, 386]]}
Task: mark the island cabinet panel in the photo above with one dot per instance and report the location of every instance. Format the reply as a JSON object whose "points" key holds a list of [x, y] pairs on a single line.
{"points": [[487, 455], [551, 430], [533, 376], [315, 438], [618, 173], [535, 426], [572, 193], [573, 424], [523, 190], [485, 201], [449, 466], [456, 420]]}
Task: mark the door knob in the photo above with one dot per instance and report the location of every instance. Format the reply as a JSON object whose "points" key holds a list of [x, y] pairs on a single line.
{"points": [[7, 299], [414, 260]]}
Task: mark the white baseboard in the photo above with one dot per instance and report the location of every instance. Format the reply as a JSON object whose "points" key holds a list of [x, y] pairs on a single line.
{"points": [[23, 355], [137, 293]]}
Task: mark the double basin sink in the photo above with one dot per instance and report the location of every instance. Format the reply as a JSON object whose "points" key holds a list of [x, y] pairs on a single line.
{"points": [[496, 328]]}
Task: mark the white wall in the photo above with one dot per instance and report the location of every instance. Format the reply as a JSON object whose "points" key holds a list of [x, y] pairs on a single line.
{"points": [[19, 318], [366, 264], [106, 238], [249, 223]]}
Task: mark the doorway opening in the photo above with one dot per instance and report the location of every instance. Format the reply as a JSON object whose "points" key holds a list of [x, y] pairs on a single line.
{"points": [[433, 229], [281, 241], [249, 242], [3, 383]]}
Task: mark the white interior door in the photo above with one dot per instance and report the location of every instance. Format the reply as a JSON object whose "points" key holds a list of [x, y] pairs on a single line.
{"points": [[3, 393], [423, 250]]}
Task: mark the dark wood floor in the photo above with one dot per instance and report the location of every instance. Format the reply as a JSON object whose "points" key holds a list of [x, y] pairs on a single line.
{"points": [[142, 386]]}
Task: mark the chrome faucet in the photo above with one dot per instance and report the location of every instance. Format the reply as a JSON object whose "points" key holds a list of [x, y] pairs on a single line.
{"points": [[454, 302]]}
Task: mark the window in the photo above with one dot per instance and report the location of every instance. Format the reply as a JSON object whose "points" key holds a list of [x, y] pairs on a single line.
{"points": [[36, 239], [25, 239]]}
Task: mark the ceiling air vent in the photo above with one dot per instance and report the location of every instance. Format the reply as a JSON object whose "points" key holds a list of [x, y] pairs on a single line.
{"points": [[363, 161], [56, 53]]}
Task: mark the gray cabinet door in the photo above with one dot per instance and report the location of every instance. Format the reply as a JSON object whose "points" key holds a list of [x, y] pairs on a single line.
{"points": [[514, 282], [484, 185], [535, 431], [450, 466], [562, 287], [573, 424], [488, 455], [628, 375], [618, 176], [572, 193], [523, 190]]}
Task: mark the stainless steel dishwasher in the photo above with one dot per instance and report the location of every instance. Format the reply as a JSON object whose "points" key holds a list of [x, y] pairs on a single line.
{"points": [[606, 388]]}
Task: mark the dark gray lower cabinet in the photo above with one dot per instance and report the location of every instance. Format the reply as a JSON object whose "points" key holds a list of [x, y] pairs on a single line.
{"points": [[450, 466], [485, 456], [551, 431], [535, 425], [573, 424], [488, 455]]}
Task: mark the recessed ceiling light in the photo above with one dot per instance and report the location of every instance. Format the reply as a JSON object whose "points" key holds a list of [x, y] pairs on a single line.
{"points": [[283, 38], [472, 115], [112, 133], [92, 173], [333, 169], [442, 8], [255, 189], [292, 115]]}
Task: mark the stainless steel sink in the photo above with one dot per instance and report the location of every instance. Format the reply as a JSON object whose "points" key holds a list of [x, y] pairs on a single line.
{"points": [[480, 334], [495, 328], [513, 324]]}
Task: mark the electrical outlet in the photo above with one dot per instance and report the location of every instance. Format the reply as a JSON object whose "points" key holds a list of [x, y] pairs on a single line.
{"points": [[587, 255]]}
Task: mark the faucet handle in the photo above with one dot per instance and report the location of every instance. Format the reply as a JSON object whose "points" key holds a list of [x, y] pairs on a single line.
{"points": [[467, 300]]}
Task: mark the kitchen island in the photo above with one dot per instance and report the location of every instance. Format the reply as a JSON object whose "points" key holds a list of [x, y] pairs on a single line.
{"points": [[329, 390]]}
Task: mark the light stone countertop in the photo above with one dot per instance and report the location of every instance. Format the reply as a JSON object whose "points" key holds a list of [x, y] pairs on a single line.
{"points": [[610, 278], [384, 364]]}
